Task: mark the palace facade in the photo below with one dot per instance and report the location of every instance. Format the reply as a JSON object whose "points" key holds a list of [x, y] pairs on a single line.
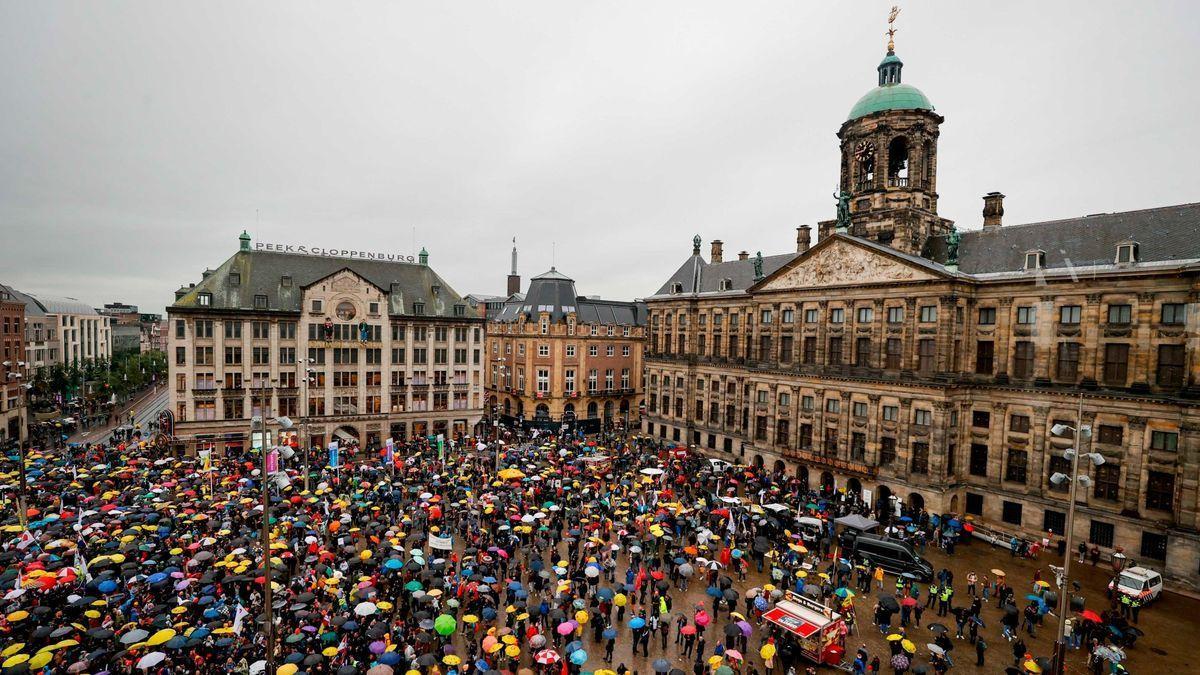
{"points": [[349, 349], [909, 362]]}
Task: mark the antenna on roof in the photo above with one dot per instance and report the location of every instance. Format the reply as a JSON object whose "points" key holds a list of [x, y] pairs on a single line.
{"points": [[552, 255]]}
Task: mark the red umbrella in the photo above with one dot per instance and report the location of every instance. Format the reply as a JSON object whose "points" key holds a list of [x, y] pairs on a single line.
{"points": [[909, 602], [1089, 615]]}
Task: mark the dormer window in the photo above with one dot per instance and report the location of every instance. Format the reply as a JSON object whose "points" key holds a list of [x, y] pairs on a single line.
{"points": [[419, 308], [1127, 253], [725, 284], [260, 301], [235, 278], [205, 299], [285, 281], [1035, 260], [676, 288]]}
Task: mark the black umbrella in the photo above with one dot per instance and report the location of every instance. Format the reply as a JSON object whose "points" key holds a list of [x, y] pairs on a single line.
{"points": [[661, 666], [937, 628]]}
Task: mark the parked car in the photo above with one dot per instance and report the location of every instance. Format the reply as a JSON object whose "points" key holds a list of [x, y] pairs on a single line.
{"points": [[893, 555], [1140, 582]]}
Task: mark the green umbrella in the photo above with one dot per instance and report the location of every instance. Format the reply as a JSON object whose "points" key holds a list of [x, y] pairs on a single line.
{"points": [[413, 585], [445, 625]]}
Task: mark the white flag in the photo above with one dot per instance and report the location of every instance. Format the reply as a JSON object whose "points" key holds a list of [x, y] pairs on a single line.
{"points": [[239, 614]]}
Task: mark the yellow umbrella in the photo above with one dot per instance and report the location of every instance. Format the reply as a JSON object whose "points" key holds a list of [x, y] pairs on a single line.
{"points": [[160, 637], [714, 661], [40, 660], [451, 660], [767, 651], [12, 649], [894, 636], [15, 660], [330, 651], [512, 651], [287, 669], [1032, 666], [19, 615], [469, 618], [908, 646]]}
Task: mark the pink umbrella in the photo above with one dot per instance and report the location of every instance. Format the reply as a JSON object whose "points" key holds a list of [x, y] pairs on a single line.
{"points": [[702, 618], [733, 654], [566, 627]]}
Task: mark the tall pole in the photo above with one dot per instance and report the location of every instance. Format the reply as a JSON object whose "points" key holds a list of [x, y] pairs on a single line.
{"points": [[22, 516], [1064, 599], [304, 423], [268, 611]]}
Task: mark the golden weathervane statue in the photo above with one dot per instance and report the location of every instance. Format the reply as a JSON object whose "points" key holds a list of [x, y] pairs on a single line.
{"points": [[891, 31]]}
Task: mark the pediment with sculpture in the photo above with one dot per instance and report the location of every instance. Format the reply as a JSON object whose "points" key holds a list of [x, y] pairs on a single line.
{"points": [[843, 263]]}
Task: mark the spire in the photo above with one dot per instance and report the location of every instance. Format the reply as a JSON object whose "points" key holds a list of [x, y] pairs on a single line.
{"points": [[889, 68], [423, 256], [696, 245], [244, 239], [514, 257]]}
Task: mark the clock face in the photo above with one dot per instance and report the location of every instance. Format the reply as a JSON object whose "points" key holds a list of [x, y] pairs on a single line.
{"points": [[864, 151]]}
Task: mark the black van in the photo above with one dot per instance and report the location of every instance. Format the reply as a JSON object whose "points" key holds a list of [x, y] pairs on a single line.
{"points": [[893, 555]]}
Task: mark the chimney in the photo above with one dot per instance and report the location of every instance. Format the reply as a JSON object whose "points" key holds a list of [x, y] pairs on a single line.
{"points": [[993, 210], [716, 256], [803, 238], [743, 255]]}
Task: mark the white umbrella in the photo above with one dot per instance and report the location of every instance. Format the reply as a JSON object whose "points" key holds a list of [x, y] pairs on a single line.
{"points": [[150, 660], [365, 608], [258, 667], [652, 472]]}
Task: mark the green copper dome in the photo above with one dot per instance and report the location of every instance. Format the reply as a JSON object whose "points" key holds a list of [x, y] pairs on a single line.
{"points": [[890, 94], [890, 97]]}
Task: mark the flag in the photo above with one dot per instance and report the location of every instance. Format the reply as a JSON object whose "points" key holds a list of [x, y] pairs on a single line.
{"points": [[333, 454], [239, 614], [390, 452], [272, 461]]}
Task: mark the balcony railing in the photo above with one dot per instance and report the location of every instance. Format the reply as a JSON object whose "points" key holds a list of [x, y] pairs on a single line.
{"points": [[898, 181]]}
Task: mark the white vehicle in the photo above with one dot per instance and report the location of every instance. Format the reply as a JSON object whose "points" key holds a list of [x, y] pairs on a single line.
{"points": [[1142, 583], [719, 465]]}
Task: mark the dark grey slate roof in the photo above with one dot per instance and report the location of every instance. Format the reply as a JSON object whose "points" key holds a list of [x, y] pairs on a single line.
{"points": [[554, 292], [699, 276], [263, 272], [1163, 235]]}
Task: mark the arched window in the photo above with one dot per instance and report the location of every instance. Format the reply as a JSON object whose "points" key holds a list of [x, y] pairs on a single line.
{"points": [[592, 410], [898, 162]]}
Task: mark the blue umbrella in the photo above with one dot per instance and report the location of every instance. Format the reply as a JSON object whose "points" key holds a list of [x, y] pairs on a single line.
{"points": [[573, 646], [393, 564], [605, 593], [389, 658], [480, 665], [637, 622], [578, 657], [107, 586], [489, 580], [609, 633], [488, 613], [714, 592], [199, 633], [514, 585], [156, 577]]}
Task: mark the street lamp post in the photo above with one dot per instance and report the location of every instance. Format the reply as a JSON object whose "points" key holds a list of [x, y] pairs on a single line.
{"points": [[1073, 454], [268, 610]]}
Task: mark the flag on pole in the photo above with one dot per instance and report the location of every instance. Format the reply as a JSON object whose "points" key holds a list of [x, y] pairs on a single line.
{"points": [[390, 451], [272, 461], [333, 454], [238, 615]]}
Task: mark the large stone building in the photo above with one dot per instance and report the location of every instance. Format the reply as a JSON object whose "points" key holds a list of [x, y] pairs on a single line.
{"points": [[60, 330], [361, 348], [907, 362], [560, 358], [13, 368]]}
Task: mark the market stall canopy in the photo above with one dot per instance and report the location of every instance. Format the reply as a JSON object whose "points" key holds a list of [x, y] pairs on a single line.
{"points": [[857, 522]]}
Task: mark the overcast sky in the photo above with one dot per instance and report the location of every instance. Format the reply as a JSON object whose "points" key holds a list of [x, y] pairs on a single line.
{"points": [[138, 139]]}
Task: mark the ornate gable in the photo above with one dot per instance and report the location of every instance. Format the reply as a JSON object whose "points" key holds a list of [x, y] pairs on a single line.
{"points": [[843, 263]]}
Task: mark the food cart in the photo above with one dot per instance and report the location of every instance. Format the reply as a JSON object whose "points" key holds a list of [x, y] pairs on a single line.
{"points": [[812, 628], [597, 465]]}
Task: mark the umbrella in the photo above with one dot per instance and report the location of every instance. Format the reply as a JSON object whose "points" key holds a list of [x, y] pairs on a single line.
{"points": [[150, 660], [934, 649], [547, 657], [938, 628], [661, 666]]}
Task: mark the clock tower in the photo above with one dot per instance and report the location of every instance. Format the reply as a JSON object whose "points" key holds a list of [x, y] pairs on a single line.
{"points": [[889, 163]]}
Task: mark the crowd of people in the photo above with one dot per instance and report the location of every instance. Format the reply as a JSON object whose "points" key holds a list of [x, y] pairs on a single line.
{"points": [[545, 554]]}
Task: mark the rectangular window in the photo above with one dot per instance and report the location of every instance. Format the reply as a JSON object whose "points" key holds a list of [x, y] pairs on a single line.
{"points": [[233, 356], [543, 381], [1164, 440], [179, 328], [1161, 490], [987, 316], [810, 350], [974, 504], [887, 450], [927, 353], [831, 441], [1107, 482], [1069, 314], [837, 315], [891, 413], [833, 405], [978, 464], [920, 457], [807, 403], [1015, 471], [1019, 424], [985, 355], [1100, 534], [1026, 315], [893, 359], [1116, 363], [1011, 512], [1023, 355], [928, 314], [835, 351], [1111, 434], [1174, 313], [789, 315], [862, 352], [785, 348], [233, 330], [810, 316], [1054, 522], [766, 316], [1170, 365], [1154, 546], [1120, 314], [1056, 464], [1068, 361], [805, 439], [866, 315], [895, 315], [981, 419], [922, 418], [860, 409]]}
